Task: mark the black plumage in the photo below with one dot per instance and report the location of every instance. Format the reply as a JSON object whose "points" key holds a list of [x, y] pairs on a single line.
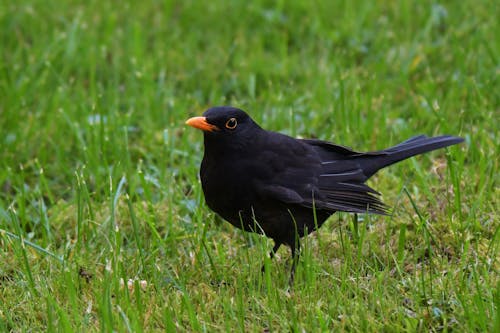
{"points": [[273, 184]]}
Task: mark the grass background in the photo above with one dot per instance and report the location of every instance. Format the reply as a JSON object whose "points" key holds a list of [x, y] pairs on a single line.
{"points": [[98, 173]]}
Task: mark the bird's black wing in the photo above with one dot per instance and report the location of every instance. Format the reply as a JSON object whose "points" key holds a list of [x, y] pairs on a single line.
{"points": [[316, 173], [341, 179]]}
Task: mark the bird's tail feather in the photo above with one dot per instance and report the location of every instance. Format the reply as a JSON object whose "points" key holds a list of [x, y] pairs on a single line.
{"points": [[411, 147]]}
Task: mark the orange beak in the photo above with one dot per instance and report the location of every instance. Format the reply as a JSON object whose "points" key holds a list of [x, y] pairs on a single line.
{"points": [[201, 123]]}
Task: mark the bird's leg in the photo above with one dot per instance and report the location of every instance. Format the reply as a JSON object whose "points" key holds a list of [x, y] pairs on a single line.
{"points": [[271, 254], [295, 258], [356, 227]]}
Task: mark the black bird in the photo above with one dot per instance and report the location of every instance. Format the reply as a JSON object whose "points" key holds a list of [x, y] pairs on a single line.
{"points": [[269, 183]]}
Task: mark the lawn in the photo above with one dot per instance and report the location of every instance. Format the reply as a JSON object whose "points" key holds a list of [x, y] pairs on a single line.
{"points": [[103, 225]]}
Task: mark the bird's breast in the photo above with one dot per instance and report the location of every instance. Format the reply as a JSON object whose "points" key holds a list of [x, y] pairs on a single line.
{"points": [[227, 188]]}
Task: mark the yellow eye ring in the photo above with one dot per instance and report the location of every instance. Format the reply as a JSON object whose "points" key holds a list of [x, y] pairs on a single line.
{"points": [[231, 123]]}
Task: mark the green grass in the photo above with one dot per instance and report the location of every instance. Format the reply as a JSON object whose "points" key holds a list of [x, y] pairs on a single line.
{"points": [[98, 173]]}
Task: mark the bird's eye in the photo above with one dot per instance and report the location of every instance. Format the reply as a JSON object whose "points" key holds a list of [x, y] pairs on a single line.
{"points": [[231, 123]]}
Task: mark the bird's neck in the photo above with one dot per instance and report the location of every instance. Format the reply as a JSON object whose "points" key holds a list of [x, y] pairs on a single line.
{"points": [[222, 151]]}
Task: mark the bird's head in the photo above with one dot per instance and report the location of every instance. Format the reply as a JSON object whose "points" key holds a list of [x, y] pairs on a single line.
{"points": [[225, 124]]}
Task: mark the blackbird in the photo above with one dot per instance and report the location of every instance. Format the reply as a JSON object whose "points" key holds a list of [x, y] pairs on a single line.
{"points": [[270, 183]]}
